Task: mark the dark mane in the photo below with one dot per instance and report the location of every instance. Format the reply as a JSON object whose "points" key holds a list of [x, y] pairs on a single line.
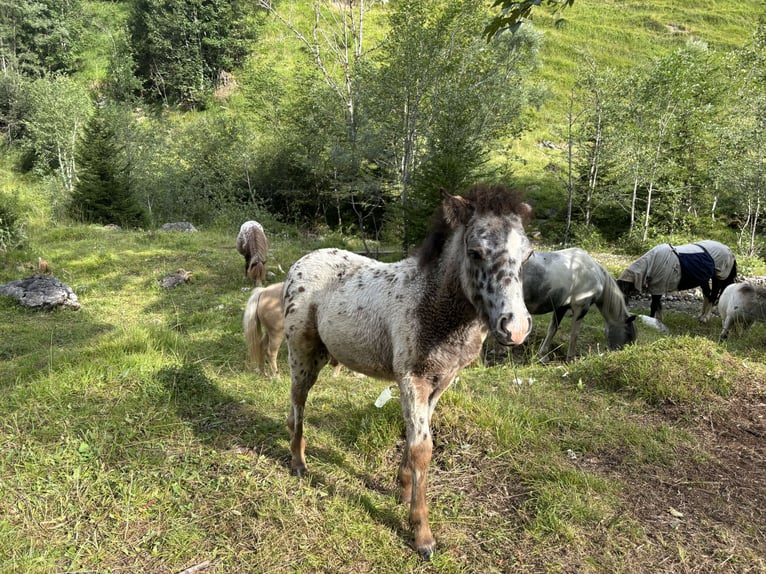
{"points": [[482, 198]]}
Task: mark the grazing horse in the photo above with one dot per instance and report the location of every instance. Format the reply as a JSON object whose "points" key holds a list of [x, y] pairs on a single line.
{"points": [[417, 321], [556, 281], [252, 244], [741, 305], [665, 268], [264, 326]]}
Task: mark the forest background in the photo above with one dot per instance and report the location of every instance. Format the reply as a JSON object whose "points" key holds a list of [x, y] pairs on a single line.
{"points": [[623, 122]]}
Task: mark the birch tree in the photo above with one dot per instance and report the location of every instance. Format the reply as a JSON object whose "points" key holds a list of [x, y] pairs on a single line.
{"points": [[59, 108], [442, 97], [741, 168]]}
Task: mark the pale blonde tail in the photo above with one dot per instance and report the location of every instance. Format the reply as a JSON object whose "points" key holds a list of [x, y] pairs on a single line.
{"points": [[253, 330]]}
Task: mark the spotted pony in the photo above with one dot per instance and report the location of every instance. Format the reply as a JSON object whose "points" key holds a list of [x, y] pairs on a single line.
{"points": [[418, 321]]}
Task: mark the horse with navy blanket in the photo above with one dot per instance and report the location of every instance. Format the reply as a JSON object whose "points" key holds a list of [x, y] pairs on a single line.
{"points": [[418, 321], [707, 264], [557, 281]]}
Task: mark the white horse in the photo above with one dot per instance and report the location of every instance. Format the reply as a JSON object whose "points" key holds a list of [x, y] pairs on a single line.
{"points": [[417, 321], [741, 305], [709, 265], [557, 281]]}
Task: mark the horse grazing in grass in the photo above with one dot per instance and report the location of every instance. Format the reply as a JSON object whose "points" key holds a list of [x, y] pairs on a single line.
{"points": [[417, 321], [709, 265], [557, 281], [264, 326], [741, 305], [253, 246]]}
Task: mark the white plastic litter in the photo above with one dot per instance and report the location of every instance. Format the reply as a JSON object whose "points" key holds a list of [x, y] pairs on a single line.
{"points": [[655, 324], [383, 397]]}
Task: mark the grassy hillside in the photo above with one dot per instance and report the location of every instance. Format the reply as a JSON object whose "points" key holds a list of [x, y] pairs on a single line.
{"points": [[619, 34], [135, 439], [613, 33]]}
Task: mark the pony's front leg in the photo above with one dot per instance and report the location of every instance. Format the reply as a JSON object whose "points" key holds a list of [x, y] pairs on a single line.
{"points": [[553, 327], [707, 304], [413, 472], [297, 442], [573, 334]]}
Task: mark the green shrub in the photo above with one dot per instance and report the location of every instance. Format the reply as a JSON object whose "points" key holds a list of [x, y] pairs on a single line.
{"points": [[12, 228]]}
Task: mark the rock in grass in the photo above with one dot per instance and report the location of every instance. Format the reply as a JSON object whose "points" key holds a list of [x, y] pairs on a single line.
{"points": [[175, 279], [41, 292], [179, 226]]}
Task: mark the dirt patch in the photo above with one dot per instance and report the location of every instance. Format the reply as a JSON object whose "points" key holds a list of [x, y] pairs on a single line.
{"points": [[705, 512]]}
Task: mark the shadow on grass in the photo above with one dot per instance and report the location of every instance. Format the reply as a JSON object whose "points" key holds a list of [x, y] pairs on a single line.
{"points": [[219, 419], [34, 341], [223, 422]]}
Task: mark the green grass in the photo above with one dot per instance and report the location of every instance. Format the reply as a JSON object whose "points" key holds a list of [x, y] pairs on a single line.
{"points": [[134, 438], [618, 35]]}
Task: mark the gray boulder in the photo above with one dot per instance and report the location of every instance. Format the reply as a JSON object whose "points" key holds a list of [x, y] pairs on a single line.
{"points": [[178, 226], [41, 292]]}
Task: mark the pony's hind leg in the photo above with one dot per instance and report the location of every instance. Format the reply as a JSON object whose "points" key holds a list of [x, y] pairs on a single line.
{"points": [[271, 350], [304, 370], [727, 324], [655, 310]]}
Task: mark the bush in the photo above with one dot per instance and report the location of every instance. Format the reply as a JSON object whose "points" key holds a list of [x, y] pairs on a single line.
{"points": [[12, 228]]}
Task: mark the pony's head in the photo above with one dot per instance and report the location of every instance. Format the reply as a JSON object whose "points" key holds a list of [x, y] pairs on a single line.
{"points": [[489, 220], [621, 333], [255, 269]]}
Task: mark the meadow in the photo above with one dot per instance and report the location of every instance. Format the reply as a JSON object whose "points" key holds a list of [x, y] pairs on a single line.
{"points": [[135, 439]]}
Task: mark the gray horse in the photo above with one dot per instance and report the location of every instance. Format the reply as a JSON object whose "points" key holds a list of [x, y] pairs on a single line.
{"points": [[741, 305], [557, 281]]}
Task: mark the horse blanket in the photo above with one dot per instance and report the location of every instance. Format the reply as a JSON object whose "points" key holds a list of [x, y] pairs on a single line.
{"points": [[665, 268]]}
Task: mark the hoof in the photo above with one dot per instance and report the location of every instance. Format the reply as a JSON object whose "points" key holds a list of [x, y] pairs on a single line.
{"points": [[298, 471], [427, 550]]}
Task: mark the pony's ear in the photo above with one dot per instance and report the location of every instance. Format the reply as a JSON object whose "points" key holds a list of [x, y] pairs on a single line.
{"points": [[525, 212], [457, 209]]}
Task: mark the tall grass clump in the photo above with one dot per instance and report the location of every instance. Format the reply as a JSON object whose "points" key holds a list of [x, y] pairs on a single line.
{"points": [[682, 369], [13, 232]]}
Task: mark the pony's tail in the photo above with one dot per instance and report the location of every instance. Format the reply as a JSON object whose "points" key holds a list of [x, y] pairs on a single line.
{"points": [[257, 248], [719, 285], [251, 325]]}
